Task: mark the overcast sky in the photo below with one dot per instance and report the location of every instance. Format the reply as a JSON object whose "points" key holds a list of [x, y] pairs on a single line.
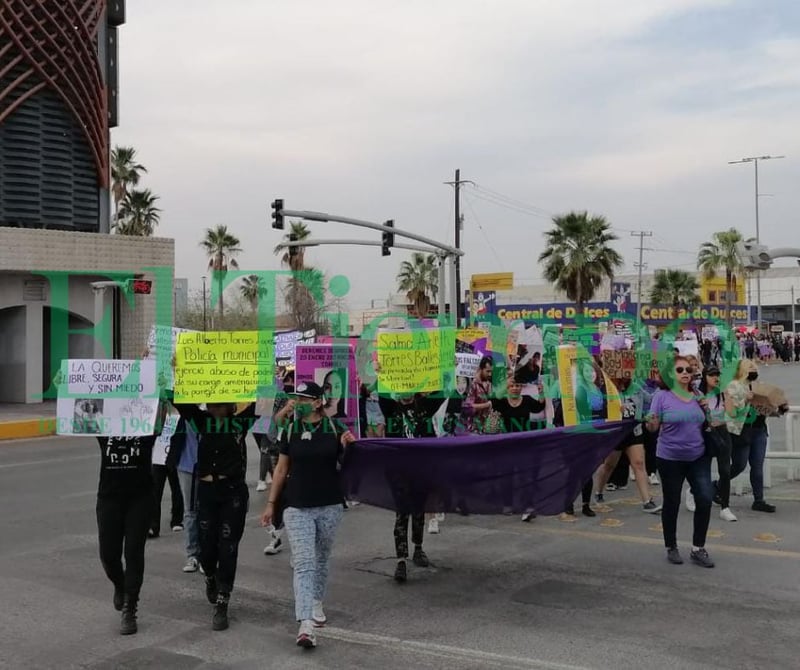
{"points": [[365, 107]]}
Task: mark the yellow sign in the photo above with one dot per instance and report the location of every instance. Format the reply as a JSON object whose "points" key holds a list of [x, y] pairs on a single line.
{"points": [[587, 394], [413, 361], [497, 281], [222, 366]]}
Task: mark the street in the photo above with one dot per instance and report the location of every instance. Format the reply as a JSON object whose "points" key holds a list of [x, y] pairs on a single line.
{"points": [[596, 593]]}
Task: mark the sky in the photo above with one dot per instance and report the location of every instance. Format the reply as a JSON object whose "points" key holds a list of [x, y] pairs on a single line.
{"points": [[364, 108]]}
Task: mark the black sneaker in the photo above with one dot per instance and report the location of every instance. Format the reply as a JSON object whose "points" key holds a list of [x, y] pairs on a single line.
{"points": [[762, 506], [220, 619], [420, 558], [674, 556], [570, 510], [212, 592], [701, 557], [119, 598], [599, 498], [588, 511], [400, 572], [128, 624]]}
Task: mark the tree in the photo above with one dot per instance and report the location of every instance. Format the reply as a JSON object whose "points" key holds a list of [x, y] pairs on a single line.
{"points": [[721, 256], [417, 278], [577, 257], [301, 232], [220, 247], [125, 173], [137, 214], [252, 290], [675, 287]]}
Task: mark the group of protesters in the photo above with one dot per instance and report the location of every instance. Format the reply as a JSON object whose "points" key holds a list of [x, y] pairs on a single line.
{"points": [[680, 421]]}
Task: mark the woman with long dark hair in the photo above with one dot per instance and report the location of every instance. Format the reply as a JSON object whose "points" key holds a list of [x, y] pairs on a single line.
{"points": [[718, 438]]}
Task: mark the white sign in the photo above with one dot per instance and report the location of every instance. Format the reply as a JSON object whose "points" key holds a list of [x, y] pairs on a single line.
{"points": [[161, 447], [467, 365], [107, 397], [686, 347]]}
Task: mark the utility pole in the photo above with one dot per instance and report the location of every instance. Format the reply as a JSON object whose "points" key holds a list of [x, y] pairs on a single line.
{"points": [[456, 184], [641, 234], [754, 160]]}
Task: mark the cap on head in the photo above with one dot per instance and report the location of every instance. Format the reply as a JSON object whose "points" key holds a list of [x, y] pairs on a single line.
{"points": [[308, 390], [712, 371]]}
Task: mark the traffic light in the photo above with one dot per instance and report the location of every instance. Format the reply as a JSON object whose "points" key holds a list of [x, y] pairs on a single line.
{"points": [[293, 251], [277, 214], [139, 286], [388, 240]]}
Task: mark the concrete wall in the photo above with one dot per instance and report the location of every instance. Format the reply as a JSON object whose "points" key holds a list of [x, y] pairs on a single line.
{"points": [[12, 354]]}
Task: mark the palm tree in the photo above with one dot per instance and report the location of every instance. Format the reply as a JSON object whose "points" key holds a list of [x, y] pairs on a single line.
{"points": [[417, 278], [296, 259], [577, 258], [675, 287], [137, 214], [721, 256], [220, 247], [125, 173], [252, 290]]}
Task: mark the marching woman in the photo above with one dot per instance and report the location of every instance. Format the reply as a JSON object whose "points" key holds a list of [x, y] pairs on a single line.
{"points": [[124, 508], [311, 453], [222, 495], [680, 417]]}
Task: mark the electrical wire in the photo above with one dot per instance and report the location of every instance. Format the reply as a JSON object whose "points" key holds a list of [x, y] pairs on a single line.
{"points": [[512, 201], [480, 227]]}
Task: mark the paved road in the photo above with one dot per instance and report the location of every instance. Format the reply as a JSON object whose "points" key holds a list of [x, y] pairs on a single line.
{"points": [[591, 594]]}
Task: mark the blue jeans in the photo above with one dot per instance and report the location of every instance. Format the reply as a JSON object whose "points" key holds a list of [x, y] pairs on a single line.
{"points": [[673, 474], [751, 447], [190, 514], [311, 532]]}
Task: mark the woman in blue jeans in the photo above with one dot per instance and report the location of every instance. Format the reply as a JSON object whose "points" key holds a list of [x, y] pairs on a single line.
{"points": [[311, 452], [679, 416]]}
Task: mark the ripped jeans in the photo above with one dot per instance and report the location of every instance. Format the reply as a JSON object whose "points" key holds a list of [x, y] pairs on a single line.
{"points": [[222, 509]]}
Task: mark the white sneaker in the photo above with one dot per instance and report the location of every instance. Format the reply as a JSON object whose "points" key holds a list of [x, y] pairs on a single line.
{"points": [[690, 502], [654, 480], [269, 478], [275, 546], [261, 486], [305, 636], [726, 515], [191, 565], [353, 503], [439, 516], [433, 526], [318, 616]]}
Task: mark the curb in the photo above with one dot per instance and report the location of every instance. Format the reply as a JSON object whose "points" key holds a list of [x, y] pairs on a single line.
{"points": [[27, 428]]}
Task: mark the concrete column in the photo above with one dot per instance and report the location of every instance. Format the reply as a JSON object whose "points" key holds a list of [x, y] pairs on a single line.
{"points": [[102, 302], [34, 351]]}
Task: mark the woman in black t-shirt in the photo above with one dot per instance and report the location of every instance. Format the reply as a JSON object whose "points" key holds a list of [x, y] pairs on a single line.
{"points": [[311, 452]]}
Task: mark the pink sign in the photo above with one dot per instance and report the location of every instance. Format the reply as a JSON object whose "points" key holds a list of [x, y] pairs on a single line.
{"points": [[333, 367]]}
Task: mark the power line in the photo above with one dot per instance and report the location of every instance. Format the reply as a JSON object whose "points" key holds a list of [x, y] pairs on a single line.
{"points": [[480, 227], [513, 201]]}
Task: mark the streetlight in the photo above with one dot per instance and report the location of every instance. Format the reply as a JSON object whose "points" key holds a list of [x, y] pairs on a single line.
{"points": [[754, 160], [205, 328]]}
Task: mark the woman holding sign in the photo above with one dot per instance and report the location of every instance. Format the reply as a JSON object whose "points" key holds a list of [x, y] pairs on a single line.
{"points": [[312, 449]]}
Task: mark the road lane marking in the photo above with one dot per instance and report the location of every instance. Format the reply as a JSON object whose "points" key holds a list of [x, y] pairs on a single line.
{"points": [[47, 461], [443, 651]]}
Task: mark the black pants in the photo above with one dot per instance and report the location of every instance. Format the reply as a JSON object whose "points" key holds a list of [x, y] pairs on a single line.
{"points": [[222, 509], [401, 532], [619, 477], [650, 442], [161, 473], [723, 449], [265, 461], [673, 474], [122, 524]]}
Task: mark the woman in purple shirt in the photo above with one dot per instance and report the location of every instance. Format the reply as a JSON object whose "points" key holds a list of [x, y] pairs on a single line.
{"points": [[680, 452]]}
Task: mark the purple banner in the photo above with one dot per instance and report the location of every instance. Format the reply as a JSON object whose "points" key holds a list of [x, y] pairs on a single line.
{"points": [[541, 470]]}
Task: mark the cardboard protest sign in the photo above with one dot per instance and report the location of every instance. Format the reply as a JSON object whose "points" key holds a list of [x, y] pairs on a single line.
{"points": [[223, 366], [413, 361], [161, 344], [107, 398], [161, 447], [587, 394], [768, 399], [333, 367]]}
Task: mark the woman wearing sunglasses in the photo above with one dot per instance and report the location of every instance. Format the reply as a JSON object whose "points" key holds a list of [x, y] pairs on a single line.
{"points": [[680, 418]]}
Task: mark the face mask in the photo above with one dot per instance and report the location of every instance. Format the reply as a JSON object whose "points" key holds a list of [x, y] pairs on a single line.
{"points": [[752, 376], [303, 410]]}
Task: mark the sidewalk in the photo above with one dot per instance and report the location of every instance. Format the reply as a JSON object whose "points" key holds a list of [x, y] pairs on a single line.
{"points": [[20, 421]]}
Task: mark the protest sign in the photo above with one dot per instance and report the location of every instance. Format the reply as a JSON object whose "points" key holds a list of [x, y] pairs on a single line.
{"points": [[161, 343], [286, 342], [686, 347], [413, 361], [333, 367], [107, 397], [161, 447], [223, 366], [587, 393], [467, 365]]}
